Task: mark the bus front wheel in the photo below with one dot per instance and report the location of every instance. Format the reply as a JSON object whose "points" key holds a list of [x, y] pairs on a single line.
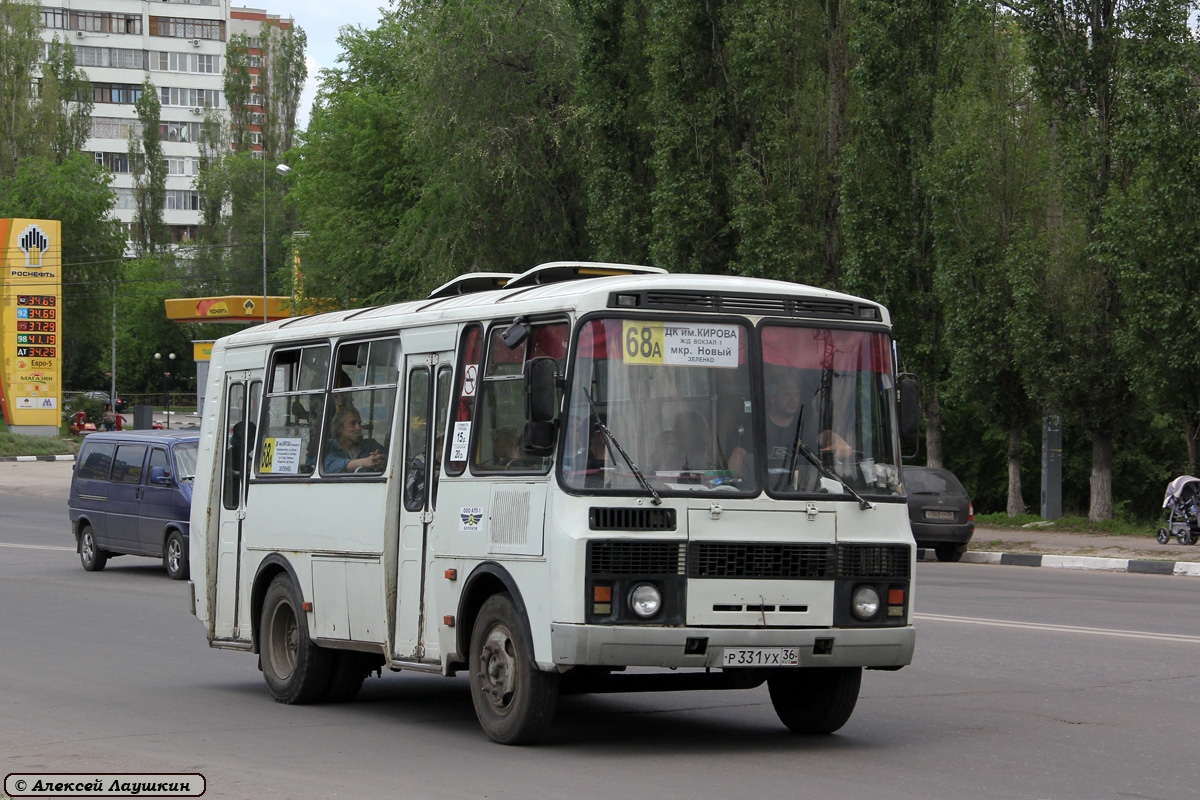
{"points": [[816, 699], [514, 700], [296, 670]]}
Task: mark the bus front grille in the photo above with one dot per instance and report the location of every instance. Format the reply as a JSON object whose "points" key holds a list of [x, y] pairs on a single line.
{"points": [[612, 558], [873, 561], [760, 560], [631, 519]]}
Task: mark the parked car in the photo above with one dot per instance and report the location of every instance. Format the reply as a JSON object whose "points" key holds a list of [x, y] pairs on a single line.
{"points": [[118, 404], [131, 493], [941, 514]]}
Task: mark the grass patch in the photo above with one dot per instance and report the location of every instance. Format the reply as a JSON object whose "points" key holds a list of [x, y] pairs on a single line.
{"points": [[1115, 527], [12, 444]]}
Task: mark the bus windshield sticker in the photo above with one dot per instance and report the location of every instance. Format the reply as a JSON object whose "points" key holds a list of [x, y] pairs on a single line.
{"points": [[469, 518], [679, 344], [461, 440], [280, 456]]}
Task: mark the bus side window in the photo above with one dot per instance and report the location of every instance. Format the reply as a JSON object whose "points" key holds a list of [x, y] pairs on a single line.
{"points": [[502, 398], [235, 446], [292, 414], [416, 439], [443, 409], [359, 430], [458, 440]]}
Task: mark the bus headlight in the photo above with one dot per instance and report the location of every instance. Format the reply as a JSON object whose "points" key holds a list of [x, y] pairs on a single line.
{"points": [[645, 599], [865, 602]]}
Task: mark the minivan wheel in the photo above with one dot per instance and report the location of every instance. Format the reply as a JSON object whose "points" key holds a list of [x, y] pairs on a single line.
{"points": [[92, 557], [175, 557]]}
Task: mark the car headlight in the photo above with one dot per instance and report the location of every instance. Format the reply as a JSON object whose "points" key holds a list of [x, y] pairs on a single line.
{"points": [[645, 599], [865, 602]]}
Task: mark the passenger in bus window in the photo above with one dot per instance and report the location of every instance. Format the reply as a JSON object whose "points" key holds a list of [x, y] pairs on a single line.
{"points": [[348, 451]]}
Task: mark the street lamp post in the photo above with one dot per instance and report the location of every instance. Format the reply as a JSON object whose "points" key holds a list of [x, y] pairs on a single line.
{"points": [[282, 169], [166, 375]]}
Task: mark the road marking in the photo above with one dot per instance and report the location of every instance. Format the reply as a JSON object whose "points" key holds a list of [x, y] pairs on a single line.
{"points": [[38, 547], [1043, 626]]}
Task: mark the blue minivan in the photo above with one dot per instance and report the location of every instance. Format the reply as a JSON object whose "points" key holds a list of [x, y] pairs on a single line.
{"points": [[131, 493]]}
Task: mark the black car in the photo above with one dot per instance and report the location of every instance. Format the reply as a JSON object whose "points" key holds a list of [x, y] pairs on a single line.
{"points": [[939, 511]]}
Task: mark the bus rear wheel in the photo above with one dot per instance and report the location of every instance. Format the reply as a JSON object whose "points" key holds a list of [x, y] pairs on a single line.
{"points": [[815, 699], [296, 670], [514, 700]]}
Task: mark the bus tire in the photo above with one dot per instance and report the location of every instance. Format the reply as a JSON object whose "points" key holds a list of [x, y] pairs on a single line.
{"points": [[90, 554], [175, 557], [514, 700], [349, 671], [296, 670], [815, 699]]}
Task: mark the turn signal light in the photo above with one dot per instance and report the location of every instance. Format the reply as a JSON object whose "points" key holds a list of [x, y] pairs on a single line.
{"points": [[602, 594], [895, 597]]}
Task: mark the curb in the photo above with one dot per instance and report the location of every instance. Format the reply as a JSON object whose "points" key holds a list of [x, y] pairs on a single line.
{"points": [[1141, 566], [38, 458]]}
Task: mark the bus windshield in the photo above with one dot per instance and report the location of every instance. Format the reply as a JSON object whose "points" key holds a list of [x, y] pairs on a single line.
{"points": [[681, 399]]}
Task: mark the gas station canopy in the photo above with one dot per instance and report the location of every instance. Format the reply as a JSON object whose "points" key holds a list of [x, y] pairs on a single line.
{"points": [[232, 308]]}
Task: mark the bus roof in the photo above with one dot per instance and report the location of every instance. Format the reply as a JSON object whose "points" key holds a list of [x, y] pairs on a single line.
{"points": [[599, 287]]}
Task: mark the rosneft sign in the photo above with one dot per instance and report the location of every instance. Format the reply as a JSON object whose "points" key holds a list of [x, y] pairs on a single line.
{"points": [[31, 322]]}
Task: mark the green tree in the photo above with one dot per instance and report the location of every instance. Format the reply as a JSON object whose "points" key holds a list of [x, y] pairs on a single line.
{"points": [[1072, 308], [1151, 227], [280, 81], [886, 208], [987, 195], [237, 90], [44, 109], [149, 170]]}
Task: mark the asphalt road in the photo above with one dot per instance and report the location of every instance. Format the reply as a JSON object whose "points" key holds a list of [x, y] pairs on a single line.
{"points": [[1027, 683]]}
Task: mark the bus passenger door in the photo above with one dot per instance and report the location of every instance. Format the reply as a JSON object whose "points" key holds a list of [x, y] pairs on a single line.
{"points": [[242, 393], [427, 393]]}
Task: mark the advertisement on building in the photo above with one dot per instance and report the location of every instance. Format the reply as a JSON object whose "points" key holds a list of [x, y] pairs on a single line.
{"points": [[31, 325]]}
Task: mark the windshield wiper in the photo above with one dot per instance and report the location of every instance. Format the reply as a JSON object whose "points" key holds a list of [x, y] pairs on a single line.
{"points": [[612, 441], [799, 446]]}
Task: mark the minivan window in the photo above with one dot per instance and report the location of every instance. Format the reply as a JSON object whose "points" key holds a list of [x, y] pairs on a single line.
{"points": [[158, 458], [96, 460], [127, 467], [185, 460]]}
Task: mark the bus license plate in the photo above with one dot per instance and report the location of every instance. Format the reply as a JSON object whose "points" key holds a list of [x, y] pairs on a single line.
{"points": [[939, 515], [760, 657]]}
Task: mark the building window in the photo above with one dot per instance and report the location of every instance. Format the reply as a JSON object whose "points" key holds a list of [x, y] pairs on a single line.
{"points": [[113, 128], [126, 93], [180, 131], [181, 28], [182, 200], [190, 98], [110, 57], [183, 233], [114, 162], [55, 18]]}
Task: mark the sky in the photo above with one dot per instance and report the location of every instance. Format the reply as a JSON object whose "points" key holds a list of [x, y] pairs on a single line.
{"points": [[321, 20]]}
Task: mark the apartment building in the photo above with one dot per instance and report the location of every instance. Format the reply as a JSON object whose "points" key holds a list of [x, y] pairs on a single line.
{"points": [[180, 46]]}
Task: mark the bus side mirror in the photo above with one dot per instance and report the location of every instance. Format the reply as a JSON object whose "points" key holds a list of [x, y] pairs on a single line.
{"points": [[910, 407], [541, 388]]}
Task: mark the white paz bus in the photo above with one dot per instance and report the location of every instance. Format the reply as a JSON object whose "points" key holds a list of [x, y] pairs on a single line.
{"points": [[585, 477]]}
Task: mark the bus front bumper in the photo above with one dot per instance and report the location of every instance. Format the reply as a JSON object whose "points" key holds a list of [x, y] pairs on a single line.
{"points": [[639, 646]]}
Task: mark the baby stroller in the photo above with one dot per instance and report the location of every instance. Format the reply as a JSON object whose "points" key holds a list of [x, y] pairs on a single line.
{"points": [[1183, 505]]}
